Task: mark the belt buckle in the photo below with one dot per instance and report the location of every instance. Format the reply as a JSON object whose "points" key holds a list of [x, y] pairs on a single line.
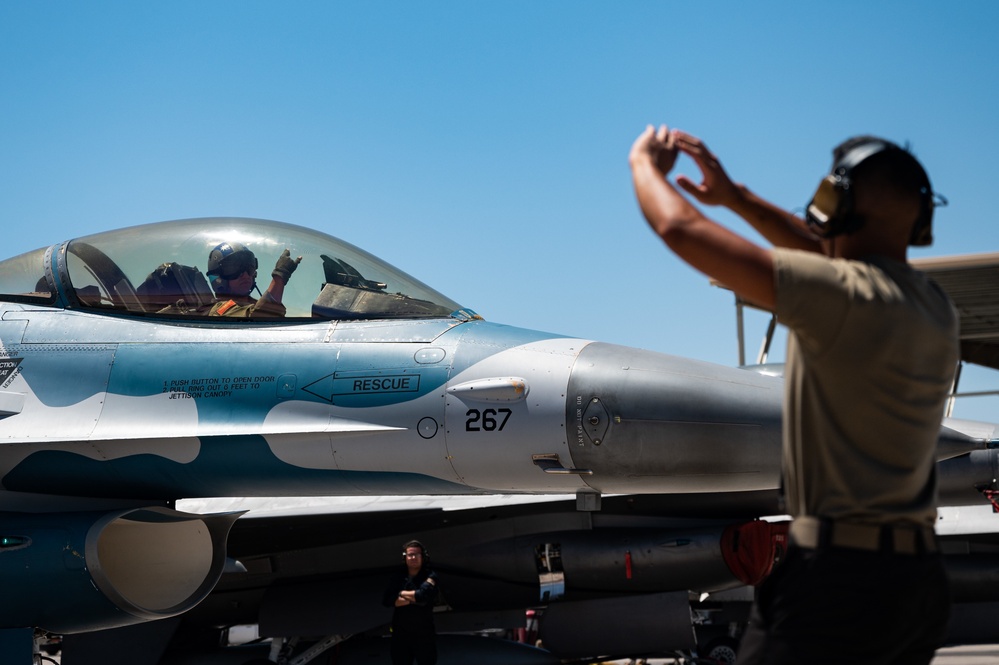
{"points": [[866, 537]]}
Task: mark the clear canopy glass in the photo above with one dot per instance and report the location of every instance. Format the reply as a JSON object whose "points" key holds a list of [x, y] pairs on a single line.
{"points": [[161, 270]]}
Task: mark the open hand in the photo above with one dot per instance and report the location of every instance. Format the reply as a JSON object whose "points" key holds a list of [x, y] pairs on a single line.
{"points": [[285, 266], [716, 187]]}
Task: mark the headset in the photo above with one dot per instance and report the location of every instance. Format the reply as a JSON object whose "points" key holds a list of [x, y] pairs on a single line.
{"points": [[416, 543], [831, 210]]}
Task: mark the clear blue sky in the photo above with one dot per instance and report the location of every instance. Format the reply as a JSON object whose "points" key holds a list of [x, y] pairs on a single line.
{"points": [[482, 146]]}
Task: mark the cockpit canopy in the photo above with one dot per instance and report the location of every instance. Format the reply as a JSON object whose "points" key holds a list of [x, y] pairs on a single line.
{"points": [[161, 270]]}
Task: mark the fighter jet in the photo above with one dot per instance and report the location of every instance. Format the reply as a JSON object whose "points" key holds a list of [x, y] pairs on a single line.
{"points": [[161, 362]]}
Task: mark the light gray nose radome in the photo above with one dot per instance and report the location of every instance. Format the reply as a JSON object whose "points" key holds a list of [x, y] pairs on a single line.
{"points": [[649, 422]]}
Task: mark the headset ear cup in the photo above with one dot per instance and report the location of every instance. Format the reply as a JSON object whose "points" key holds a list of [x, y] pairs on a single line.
{"points": [[826, 206], [214, 262], [833, 214]]}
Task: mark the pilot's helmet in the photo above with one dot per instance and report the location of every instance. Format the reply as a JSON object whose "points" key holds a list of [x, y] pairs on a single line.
{"points": [[227, 261]]}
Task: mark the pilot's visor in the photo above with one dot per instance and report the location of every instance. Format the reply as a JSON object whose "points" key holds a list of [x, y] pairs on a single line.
{"points": [[237, 263]]}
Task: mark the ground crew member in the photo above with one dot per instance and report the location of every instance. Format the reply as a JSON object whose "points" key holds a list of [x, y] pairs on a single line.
{"points": [[872, 351], [412, 591]]}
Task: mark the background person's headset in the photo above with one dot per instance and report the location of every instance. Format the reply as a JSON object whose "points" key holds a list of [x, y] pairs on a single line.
{"points": [[831, 211], [416, 543]]}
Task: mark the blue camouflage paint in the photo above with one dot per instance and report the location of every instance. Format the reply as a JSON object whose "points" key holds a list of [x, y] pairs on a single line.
{"points": [[44, 369], [365, 376], [226, 466], [238, 383]]}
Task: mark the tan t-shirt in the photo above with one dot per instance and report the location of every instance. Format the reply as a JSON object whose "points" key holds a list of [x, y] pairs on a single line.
{"points": [[870, 361]]}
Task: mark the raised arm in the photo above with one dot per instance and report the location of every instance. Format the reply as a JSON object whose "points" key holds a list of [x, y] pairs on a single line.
{"points": [[778, 226], [281, 274], [739, 264]]}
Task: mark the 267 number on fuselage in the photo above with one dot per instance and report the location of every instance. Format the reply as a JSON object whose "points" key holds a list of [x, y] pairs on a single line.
{"points": [[486, 420]]}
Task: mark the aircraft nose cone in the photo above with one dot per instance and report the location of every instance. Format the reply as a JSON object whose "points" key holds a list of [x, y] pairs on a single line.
{"points": [[650, 422]]}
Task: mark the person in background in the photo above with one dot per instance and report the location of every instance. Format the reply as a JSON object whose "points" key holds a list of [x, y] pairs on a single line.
{"points": [[412, 591]]}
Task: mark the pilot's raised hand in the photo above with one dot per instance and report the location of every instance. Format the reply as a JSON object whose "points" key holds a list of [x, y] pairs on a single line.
{"points": [[716, 187], [285, 266]]}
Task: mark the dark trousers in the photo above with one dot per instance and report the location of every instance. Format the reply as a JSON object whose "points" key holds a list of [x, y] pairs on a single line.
{"points": [[837, 605], [410, 647]]}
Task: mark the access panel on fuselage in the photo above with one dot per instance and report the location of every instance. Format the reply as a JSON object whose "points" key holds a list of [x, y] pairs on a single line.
{"points": [[506, 404]]}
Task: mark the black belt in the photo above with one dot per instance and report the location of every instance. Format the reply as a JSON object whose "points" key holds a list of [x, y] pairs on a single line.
{"points": [[817, 533]]}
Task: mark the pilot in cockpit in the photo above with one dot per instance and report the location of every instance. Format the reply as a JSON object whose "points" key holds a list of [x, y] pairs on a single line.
{"points": [[233, 269]]}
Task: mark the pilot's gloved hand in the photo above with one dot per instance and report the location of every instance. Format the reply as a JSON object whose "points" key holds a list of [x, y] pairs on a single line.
{"points": [[285, 266]]}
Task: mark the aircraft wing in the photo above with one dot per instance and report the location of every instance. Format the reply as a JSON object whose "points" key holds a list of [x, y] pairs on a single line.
{"points": [[644, 574], [612, 581], [972, 282]]}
